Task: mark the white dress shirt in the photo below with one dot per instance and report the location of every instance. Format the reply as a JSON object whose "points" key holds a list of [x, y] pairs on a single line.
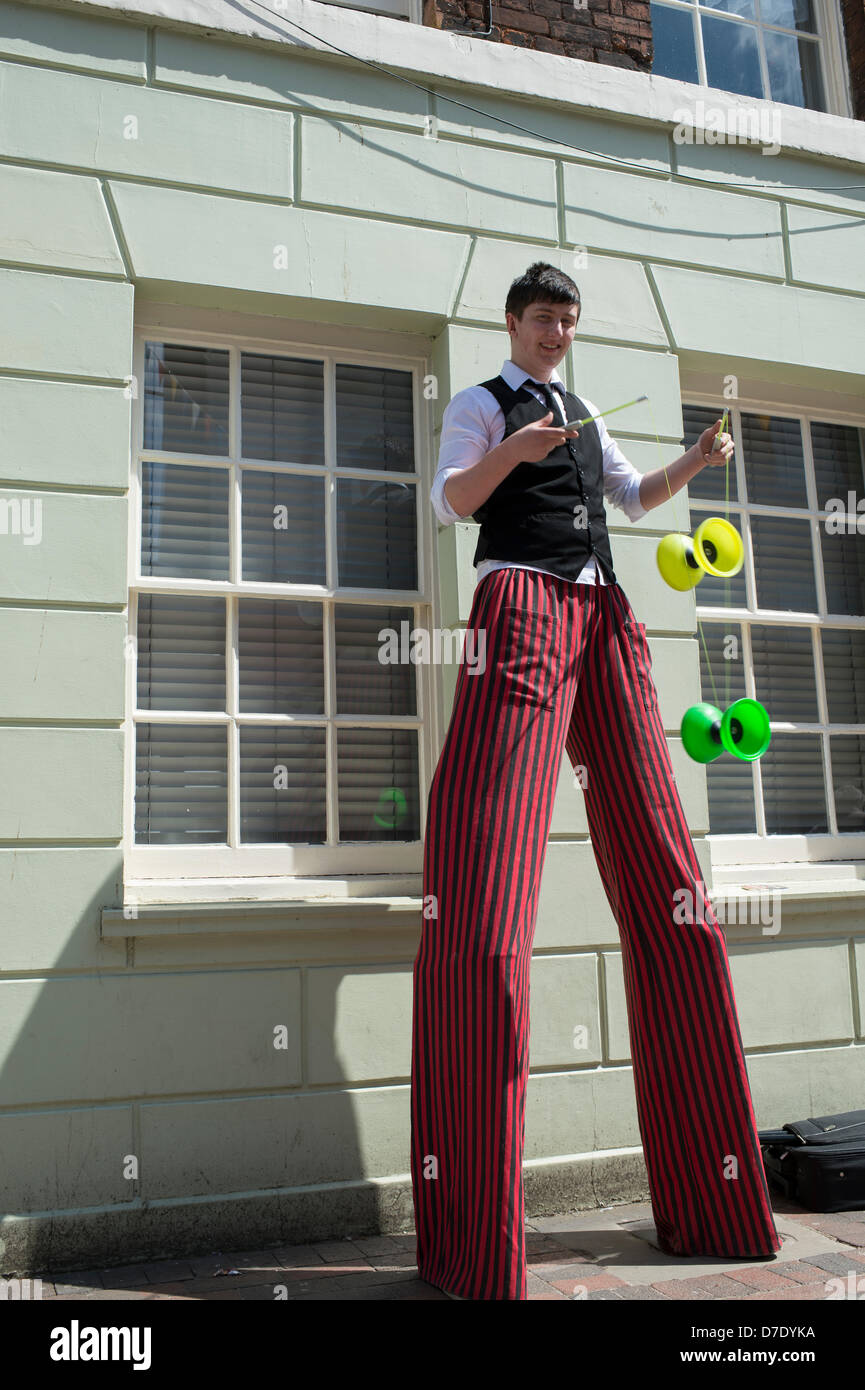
{"points": [[473, 423]]}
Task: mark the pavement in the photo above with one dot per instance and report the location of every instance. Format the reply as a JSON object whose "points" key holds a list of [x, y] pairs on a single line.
{"points": [[603, 1254]]}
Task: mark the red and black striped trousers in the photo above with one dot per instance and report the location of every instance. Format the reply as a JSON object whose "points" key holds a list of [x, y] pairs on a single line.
{"points": [[567, 665]]}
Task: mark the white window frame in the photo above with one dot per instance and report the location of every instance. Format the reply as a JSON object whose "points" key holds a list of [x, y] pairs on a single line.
{"points": [[760, 847], [833, 54], [213, 872]]}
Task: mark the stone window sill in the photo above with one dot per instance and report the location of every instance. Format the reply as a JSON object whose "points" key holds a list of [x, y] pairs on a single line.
{"points": [[300, 917]]}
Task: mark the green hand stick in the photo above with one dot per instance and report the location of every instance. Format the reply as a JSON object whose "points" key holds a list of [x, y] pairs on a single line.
{"points": [[571, 424], [715, 442]]}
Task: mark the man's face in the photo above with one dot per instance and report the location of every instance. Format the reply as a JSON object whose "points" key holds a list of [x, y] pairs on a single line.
{"points": [[540, 339]]}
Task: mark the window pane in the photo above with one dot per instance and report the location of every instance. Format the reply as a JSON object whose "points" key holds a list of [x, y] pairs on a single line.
{"points": [[844, 670], [844, 572], [783, 564], [184, 521], [283, 528], [374, 420], [710, 483], [181, 784], [366, 684], [722, 678], [732, 60], [730, 784], [377, 534], [281, 657], [784, 675], [181, 652], [838, 463], [794, 70], [790, 14], [794, 790], [675, 52], [282, 785], [712, 592], [185, 399], [282, 408], [745, 8], [848, 779], [774, 461], [378, 784]]}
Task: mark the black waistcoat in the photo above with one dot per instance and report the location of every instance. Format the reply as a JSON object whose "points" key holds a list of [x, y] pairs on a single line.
{"points": [[529, 518]]}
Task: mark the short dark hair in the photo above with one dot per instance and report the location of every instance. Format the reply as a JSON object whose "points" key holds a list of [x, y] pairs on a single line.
{"points": [[541, 281]]}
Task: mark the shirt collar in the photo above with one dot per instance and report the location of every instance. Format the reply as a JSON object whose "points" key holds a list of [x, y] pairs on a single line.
{"points": [[515, 376]]}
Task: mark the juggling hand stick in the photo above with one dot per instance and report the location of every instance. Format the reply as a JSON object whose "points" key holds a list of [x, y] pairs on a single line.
{"points": [[572, 424]]}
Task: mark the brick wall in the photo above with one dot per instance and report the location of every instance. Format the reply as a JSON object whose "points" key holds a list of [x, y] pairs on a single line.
{"points": [[853, 12], [617, 32]]}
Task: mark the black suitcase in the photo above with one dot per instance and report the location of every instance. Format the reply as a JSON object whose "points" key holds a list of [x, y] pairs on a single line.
{"points": [[819, 1162]]}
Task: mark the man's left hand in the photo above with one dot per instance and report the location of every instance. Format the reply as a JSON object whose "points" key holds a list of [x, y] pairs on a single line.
{"points": [[706, 446]]}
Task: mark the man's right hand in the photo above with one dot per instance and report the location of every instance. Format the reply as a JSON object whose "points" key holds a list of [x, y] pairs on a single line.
{"points": [[533, 442]]}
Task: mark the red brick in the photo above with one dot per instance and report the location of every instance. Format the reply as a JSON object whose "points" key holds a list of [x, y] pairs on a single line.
{"points": [[620, 25], [756, 1279], [523, 20], [800, 1273], [555, 1271], [707, 1286], [567, 29], [590, 1283], [799, 1293], [578, 33], [851, 1232], [853, 12], [615, 60], [553, 9]]}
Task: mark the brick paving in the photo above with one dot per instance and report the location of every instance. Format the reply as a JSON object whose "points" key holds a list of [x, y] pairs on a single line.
{"points": [[607, 1254]]}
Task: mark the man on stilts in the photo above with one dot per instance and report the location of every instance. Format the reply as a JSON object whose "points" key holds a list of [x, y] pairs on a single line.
{"points": [[568, 668]]}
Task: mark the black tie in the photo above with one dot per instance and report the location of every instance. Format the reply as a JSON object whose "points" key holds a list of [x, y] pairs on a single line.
{"points": [[549, 399]]}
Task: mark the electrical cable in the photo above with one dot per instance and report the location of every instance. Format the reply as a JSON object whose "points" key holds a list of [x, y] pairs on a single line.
{"points": [[594, 154]]}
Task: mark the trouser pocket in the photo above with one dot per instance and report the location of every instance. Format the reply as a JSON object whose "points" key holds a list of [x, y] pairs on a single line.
{"points": [[530, 655], [641, 656]]}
